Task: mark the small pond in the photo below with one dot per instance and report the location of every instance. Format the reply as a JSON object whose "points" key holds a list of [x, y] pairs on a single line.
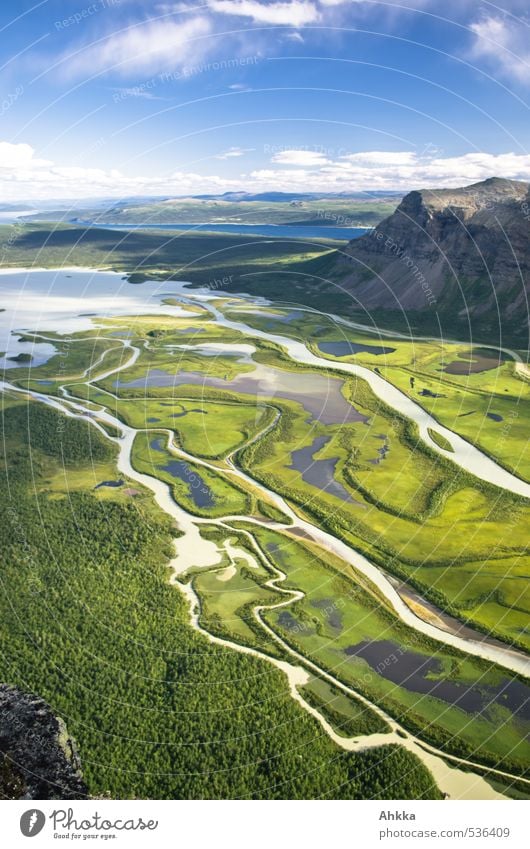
{"points": [[198, 491], [345, 348], [319, 473], [415, 673]]}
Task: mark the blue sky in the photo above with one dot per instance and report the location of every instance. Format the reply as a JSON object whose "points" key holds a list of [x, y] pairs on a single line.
{"points": [[120, 97]]}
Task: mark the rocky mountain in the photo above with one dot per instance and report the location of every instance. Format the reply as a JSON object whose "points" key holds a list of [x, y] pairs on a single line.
{"points": [[458, 253], [38, 759]]}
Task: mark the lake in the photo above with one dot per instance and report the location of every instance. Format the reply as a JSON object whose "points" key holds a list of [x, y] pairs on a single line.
{"points": [[67, 300], [275, 231]]}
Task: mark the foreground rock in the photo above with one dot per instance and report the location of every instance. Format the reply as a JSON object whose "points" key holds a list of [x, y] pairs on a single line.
{"points": [[37, 757]]}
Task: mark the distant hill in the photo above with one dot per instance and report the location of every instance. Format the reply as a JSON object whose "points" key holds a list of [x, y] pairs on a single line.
{"points": [[286, 197], [458, 253], [356, 210]]}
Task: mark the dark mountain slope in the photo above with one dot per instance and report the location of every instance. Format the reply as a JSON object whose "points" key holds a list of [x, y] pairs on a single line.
{"points": [[461, 253]]}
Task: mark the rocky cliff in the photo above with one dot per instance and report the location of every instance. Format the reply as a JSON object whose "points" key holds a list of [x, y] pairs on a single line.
{"points": [[37, 756], [463, 253]]}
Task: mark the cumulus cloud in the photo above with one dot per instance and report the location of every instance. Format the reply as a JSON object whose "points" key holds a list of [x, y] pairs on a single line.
{"points": [[19, 156], [376, 170], [503, 42], [23, 176]]}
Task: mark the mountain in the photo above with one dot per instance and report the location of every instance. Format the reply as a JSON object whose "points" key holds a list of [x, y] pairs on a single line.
{"points": [[462, 254]]}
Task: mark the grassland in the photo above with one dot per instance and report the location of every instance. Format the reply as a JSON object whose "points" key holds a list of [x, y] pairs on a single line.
{"points": [[490, 408], [412, 512], [198, 489], [336, 616], [409, 510], [305, 271], [349, 718], [204, 258]]}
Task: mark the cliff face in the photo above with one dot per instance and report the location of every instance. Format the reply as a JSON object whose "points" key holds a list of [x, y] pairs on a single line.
{"points": [[463, 252], [37, 757]]}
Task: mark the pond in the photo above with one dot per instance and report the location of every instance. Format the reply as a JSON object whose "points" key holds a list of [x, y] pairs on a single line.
{"points": [[415, 672], [198, 491], [287, 621], [346, 348], [319, 394], [329, 607], [112, 484], [475, 361], [320, 473], [200, 494]]}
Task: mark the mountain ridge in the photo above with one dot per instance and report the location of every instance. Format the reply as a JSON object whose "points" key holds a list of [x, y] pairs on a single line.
{"points": [[462, 252]]}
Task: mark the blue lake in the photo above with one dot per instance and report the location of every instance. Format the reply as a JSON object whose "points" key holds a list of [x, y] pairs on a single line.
{"points": [[276, 231]]}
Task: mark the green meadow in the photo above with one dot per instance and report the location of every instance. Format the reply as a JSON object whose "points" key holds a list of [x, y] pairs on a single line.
{"points": [[490, 408], [401, 504], [198, 489], [336, 616]]}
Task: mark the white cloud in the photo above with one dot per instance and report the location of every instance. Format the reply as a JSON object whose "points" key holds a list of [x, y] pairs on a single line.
{"points": [[375, 170], [295, 13], [234, 152], [304, 158], [25, 177], [504, 43], [142, 48], [377, 158], [136, 91], [19, 156]]}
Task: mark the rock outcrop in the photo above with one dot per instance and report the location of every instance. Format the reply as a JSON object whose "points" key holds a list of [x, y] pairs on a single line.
{"points": [[38, 759], [460, 252]]}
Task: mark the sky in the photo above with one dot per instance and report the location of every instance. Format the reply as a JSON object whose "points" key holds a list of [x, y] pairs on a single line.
{"points": [[121, 98]]}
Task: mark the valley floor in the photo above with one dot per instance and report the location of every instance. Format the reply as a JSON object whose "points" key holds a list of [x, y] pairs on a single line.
{"points": [[335, 519]]}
